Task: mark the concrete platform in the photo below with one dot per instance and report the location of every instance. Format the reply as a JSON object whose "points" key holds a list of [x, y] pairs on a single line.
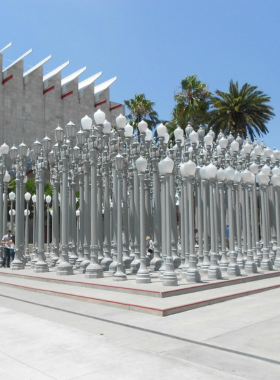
{"points": [[146, 298]]}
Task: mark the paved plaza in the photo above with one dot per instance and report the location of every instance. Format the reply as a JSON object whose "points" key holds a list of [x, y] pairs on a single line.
{"points": [[44, 336]]}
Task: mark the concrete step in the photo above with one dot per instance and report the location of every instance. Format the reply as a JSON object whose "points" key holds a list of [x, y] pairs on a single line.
{"points": [[155, 289], [138, 301]]}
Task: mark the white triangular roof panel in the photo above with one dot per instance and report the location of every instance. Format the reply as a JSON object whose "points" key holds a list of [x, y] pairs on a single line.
{"points": [[85, 83], [55, 71], [73, 76], [101, 87], [17, 60], [36, 66], [6, 47]]}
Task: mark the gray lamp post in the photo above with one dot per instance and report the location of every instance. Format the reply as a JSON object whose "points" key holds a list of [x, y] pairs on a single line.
{"points": [[233, 269], [6, 180], [48, 200], [119, 275], [27, 197], [94, 270], [143, 276], [214, 271], [248, 179], [169, 277], [12, 212], [34, 249], [237, 179], [188, 170], [275, 179], [41, 265], [263, 180], [3, 231], [64, 267], [221, 177]]}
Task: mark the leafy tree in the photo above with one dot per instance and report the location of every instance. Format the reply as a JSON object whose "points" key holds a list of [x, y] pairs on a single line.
{"points": [[192, 103], [244, 111], [141, 109]]}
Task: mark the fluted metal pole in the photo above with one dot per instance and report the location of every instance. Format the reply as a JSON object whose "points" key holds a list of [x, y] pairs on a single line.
{"points": [[232, 269], [142, 276], [41, 265], [119, 275], [193, 274], [17, 262], [64, 267], [93, 270], [169, 277], [107, 260]]}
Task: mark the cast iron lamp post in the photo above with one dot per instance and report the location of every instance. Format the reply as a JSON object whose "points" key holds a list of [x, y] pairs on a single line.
{"points": [[142, 276], [27, 197], [119, 275], [169, 277]]}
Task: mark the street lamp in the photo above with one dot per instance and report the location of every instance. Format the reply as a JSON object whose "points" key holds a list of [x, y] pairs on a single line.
{"points": [[169, 277], [188, 171], [119, 275], [27, 197], [12, 196], [214, 271], [48, 200], [142, 276]]}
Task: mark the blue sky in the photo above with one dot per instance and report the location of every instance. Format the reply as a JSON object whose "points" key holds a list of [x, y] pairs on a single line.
{"points": [[151, 45]]}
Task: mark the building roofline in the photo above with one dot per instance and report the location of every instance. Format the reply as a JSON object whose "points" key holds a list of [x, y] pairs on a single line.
{"points": [[6, 47], [71, 77], [55, 71], [17, 60], [37, 66], [85, 83], [102, 87]]}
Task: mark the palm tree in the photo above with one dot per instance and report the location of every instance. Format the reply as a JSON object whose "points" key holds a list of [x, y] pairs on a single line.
{"points": [[141, 109], [192, 102], [244, 111]]}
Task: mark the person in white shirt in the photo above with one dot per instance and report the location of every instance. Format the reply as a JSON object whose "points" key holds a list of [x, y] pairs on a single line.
{"points": [[5, 240]]}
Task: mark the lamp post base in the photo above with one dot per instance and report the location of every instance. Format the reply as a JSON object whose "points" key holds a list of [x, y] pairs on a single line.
{"points": [[120, 274], [135, 264], [155, 264], [83, 266], [112, 268], [266, 264], [193, 275], [169, 277], [233, 270], [17, 265], [250, 267], [94, 271], [64, 269], [106, 262], [41, 267]]}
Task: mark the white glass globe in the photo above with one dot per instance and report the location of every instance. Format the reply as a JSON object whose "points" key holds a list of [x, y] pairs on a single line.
{"points": [[221, 174], [86, 123], [128, 130], [237, 176], [190, 168], [149, 134], [211, 171], [121, 121], [142, 126], [141, 164], [178, 133], [99, 116], [161, 130], [229, 172]]}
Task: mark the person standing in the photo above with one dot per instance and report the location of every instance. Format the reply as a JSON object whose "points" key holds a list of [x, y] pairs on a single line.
{"points": [[12, 248], [150, 247], [5, 240]]}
